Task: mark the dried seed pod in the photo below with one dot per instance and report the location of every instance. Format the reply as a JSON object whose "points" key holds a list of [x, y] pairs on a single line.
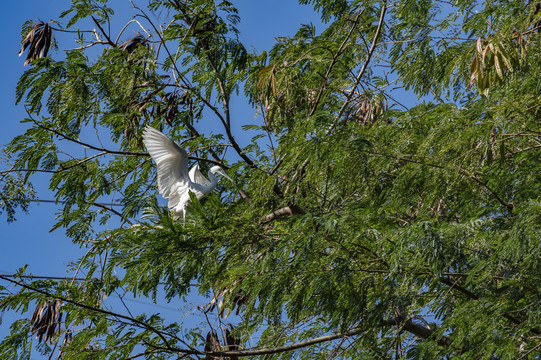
{"points": [[221, 297], [39, 40], [45, 319], [232, 341], [212, 344]]}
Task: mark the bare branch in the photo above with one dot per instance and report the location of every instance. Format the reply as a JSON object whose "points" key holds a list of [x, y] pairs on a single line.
{"points": [[72, 31], [42, 277], [12, 170], [109, 41], [114, 152], [287, 210], [191, 351], [125, 26], [108, 208], [88, 46], [416, 329], [525, 355], [482, 183], [284, 348]]}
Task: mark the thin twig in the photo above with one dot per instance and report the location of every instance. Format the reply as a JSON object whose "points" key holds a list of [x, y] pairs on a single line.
{"points": [[125, 26], [41, 277], [103, 32], [333, 62], [525, 355], [366, 61], [113, 211]]}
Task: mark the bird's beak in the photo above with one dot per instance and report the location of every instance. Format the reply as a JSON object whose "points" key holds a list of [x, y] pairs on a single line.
{"points": [[225, 175]]}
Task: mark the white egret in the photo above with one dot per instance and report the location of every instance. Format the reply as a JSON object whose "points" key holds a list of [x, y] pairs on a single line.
{"points": [[174, 181]]}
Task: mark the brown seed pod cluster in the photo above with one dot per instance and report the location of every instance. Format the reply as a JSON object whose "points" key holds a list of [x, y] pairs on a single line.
{"points": [[367, 109], [222, 296], [229, 343], [46, 320], [39, 40]]}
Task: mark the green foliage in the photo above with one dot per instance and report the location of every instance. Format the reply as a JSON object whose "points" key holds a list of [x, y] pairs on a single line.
{"points": [[384, 207], [13, 194], [17, 345]]}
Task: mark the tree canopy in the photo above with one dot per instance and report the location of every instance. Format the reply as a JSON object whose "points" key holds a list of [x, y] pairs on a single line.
{"points": [[385, 201]]}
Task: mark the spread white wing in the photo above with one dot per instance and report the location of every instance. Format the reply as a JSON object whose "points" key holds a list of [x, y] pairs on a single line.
{"points": [[197, 177], [172, 164]]}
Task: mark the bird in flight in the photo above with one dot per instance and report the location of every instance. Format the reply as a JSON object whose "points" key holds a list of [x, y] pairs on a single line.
{"points": [[175, 182]]}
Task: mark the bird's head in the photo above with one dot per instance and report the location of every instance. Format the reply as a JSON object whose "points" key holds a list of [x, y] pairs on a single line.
{"points": [[217, 170]]}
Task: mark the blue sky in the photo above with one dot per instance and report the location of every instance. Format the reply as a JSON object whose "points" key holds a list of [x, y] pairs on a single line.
{"points": [[28, 240]]}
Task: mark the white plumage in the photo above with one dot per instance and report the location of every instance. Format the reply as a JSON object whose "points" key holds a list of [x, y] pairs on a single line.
{"points": [[175, 182]]}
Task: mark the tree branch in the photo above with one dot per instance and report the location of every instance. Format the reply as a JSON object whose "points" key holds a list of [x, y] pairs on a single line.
{"points": [[525, 355], [367, 60], [227, 121], [407, 325], [196, 133], [286, 210], [104, 151], [333, 62], [43, 277], [88, 46], [103, 206], [482, 183], [109, 41], [114, 152], [284, 348], [416, 329]]}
